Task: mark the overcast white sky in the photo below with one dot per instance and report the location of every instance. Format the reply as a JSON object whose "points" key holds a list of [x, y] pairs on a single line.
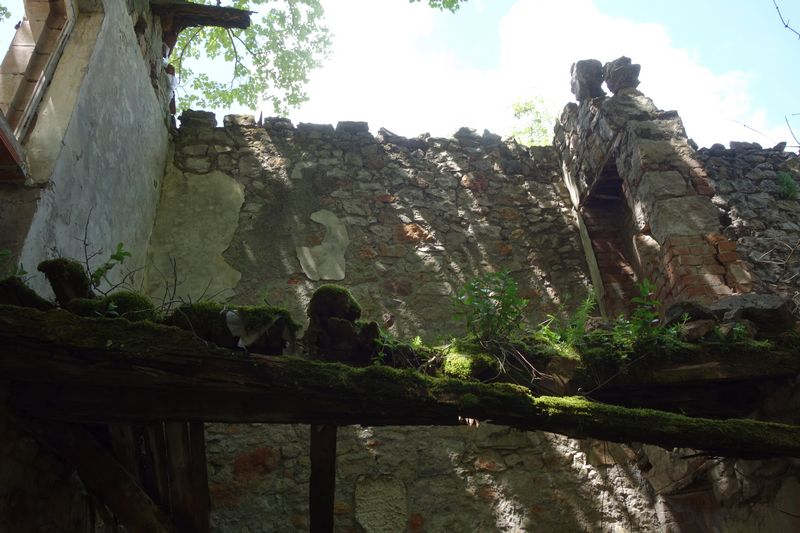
{"points": [[391, 66]]}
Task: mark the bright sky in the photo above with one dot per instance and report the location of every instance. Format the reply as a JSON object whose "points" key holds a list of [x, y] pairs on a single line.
{"points": [[723, 64]]}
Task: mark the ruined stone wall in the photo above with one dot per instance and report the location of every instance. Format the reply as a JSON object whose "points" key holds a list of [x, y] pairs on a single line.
{"points": [[408, 220], [623, 147], [763, 222], [401, 222]]}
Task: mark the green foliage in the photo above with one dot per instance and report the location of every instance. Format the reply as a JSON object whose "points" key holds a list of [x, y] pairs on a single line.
{"points": [[534, 122], [490, 306], [4, 12], [8, 268], [787, 186], [448, 5], [270, 60], [116, 258]]}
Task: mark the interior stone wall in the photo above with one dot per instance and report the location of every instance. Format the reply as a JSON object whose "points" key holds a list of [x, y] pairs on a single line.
{"points": [[401, 222], [407, 220]]}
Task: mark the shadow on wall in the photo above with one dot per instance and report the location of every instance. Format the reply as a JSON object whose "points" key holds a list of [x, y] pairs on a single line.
{"points": [[406, 221]]}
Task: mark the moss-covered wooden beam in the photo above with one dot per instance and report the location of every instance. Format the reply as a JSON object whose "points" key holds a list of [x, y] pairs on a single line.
{"points": [[64, 367]]}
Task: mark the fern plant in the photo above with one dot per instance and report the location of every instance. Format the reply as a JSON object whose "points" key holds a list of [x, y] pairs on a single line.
{"points": [[490, 306]]}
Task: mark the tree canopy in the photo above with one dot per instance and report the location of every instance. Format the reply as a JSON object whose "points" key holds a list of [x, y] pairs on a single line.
{"points": [[271, 60]]}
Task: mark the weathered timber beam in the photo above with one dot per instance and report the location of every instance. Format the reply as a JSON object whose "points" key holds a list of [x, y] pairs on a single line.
{"points": [[188, 14], [102, 474], [61, 366]]}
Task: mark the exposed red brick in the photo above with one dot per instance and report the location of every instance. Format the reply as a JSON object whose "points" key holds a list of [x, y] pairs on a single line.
{"points": [[474, 183], [416, 522], [367, 252], [726, 246], [728, 257], [255, 463], [225, 494], [411, 233], [386, 198], [295, 278]]}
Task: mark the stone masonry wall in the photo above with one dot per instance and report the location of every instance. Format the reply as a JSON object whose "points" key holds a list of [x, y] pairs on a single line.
{"points": [[401, 222], [406, 221], [764, 224]]}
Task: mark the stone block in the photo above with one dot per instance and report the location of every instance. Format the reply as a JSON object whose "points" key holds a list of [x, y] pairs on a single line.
{"points": [[198, 119], [586, 78], [238, 120], [16, 59], [688, 215], [656, 186], [9, 83], [352, 127], [621, 74]]}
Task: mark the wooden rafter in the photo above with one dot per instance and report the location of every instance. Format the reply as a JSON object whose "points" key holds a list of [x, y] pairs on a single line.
{"points": [[177, 16]]}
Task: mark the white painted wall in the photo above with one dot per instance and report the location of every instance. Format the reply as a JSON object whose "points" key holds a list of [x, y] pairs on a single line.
{"points": [[109, 160]]}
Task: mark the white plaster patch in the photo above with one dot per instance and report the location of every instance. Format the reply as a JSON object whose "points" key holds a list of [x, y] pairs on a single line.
{"points": [[326, 260]]}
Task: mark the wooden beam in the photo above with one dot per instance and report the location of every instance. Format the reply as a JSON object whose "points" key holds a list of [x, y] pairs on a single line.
{"points": [[188, 14], [102, 474], [322, 483], [61, 366]]}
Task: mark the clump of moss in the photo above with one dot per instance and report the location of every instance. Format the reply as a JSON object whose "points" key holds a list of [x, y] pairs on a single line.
{"points": [[479, 366], [334, 301], [262, 315], [123, 304], [272, 328], [130, 305], [204, 319], [88, 307], [14, 291], [68, 279]]}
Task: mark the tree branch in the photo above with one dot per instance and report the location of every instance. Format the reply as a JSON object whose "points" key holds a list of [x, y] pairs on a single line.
{"points": [[791, 130], [61, 366], [785, 22]]}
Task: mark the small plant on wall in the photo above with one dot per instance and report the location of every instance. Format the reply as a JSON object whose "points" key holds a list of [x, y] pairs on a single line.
{"points": [[787, 186], [490, 306]]}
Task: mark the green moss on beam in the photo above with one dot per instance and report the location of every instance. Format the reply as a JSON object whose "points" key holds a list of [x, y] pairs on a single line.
{"points": [[99, 368]]}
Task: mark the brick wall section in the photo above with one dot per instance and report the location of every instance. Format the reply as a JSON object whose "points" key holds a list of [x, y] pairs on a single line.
{"points": [[605, 224]]}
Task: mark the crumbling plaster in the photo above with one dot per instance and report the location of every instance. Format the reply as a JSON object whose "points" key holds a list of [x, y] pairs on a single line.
{"points": [[107, 167]]}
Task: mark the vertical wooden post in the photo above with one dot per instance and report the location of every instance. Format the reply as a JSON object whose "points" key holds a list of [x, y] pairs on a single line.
{"points": [[322, 486], [188, 483]]}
